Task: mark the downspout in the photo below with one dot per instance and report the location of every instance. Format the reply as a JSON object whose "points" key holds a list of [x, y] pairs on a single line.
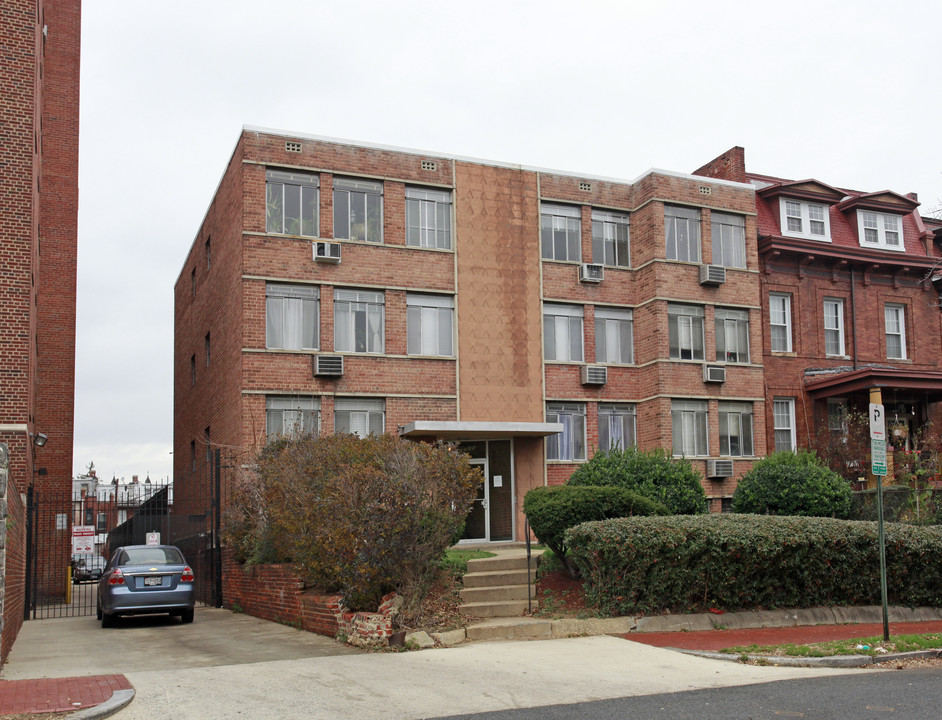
{"points": [[853, 313]]}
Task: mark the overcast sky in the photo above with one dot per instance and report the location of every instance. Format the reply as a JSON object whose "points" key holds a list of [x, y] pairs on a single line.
{"points": [[843, 92]]}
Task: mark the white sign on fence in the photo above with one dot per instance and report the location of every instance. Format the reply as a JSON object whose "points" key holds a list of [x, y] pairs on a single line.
{"points": [[83, 539]]}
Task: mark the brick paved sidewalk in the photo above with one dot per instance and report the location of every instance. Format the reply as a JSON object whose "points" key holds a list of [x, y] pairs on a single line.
{"points": [[58, 694], [795, 634]]}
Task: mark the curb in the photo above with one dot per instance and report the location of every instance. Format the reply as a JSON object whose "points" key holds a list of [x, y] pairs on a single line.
{"points": [[832, 661], [119, 699]]}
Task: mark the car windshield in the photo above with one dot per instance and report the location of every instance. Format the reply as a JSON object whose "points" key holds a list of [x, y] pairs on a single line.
{"points": [[151, 556]]}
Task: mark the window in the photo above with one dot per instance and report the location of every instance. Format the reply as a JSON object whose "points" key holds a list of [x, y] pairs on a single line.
{"points": [[562, 333], [359, 416], [879, 230], [193, 283], [428, 218], [735, 429], [209, 449], [208, 248], [358, 210], [895, 318], [805, 220], [610, 239], [732, 335], [689, 427], [292, 416], [291, 203], [430, 324], [833, 327], [780, 322], [561, 232], [102, 525], [570, 443], [729, 239], [358, 321], [682, 233], [685, 331], [206, 348], [616, 426], [122, 516], [192, 455], [838, 411], [613, 336], [292, 317], [783, 412], [192, 370]]}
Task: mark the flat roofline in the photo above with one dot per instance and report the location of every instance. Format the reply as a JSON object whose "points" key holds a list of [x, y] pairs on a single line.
{"points": [[494, 163], [451, 430]]}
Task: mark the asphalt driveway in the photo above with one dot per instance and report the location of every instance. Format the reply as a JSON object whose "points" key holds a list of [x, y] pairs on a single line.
{"points": [[66, 647]]}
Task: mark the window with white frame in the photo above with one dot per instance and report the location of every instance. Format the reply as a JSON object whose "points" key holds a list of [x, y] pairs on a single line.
{"points": [[780, 321], [895, 318], [732, 335], [879, 230], [610, 238], [838, 410], [561, 232], [616, 426], [682, 233], [783, 420], [570, 443], [562, 333], [102, 525], [804, 219], [360, 416], [613, 335], [291, 203], [359, 321], [292, 317], [430, 321], [428, 218], [833, 326], [685, 331], [729, 239], [689, 427], [292, 416], [735, 429], [358, 210]]}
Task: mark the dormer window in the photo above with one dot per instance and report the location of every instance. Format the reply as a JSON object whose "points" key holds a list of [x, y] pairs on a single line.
{"points": [[805, 220], [879, 230]]}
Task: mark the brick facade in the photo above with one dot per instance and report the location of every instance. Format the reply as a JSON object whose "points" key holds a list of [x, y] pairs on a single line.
{"points": [[39, 73]]}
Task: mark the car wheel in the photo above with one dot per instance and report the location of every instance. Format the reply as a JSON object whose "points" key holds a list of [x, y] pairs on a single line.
{"points": [[186, 616], [107, 620]]}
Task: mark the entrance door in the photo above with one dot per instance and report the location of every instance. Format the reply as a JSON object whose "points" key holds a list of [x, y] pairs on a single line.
{"points": [[475, 526], [492, 513]]}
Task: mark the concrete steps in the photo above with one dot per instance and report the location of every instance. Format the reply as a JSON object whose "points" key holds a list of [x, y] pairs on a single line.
{"points": [[497, 587]]}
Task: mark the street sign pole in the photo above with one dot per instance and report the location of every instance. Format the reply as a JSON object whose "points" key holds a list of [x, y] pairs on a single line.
{"points": [[878, 468]]}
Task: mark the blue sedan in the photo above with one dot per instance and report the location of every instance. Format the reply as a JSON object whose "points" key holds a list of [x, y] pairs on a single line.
{"points": [[145, 579]]}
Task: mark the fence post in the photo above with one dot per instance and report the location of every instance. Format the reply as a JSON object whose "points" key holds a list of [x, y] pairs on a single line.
{"points": [[30, 570], [217, 521]]}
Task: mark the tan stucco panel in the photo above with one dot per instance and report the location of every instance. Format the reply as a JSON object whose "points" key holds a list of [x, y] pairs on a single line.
{"points": [[499, 311]]}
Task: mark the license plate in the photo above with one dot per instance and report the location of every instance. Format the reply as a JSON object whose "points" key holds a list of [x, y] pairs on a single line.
{"points": [[153, 580]]}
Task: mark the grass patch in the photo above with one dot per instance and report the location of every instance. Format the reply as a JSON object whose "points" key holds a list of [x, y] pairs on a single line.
{"points": [[872, 646], [456, 560]]}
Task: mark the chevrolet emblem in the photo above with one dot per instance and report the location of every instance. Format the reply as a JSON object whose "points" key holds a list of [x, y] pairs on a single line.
{"points": [[153, 570]]}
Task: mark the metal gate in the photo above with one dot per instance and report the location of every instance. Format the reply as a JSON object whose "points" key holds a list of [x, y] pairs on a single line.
{"points": [[61, 582]]}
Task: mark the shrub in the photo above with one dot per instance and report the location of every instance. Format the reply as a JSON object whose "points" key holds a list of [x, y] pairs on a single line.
{"points": [[363, 516], [552, 510], [685, 563], [792, 483], [670, 481]]}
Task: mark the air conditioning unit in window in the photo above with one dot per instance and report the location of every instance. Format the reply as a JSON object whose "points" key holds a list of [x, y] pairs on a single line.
{"points": [[325, 251], [330, 365], [594, 374], [714, 373], [591, 272], [712, 274], [719, 468]]}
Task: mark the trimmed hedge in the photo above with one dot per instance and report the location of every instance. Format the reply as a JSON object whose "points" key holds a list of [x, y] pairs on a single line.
{"points": [[733, 562], [792, 483], [553, 510], [652, 473]]}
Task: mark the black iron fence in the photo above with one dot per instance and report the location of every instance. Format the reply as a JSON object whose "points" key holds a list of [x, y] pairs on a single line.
{"points": [[900, 504]]}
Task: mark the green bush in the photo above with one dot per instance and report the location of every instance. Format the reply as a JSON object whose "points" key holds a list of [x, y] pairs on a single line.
{"points": [[363, 516], [655, 474], [553, 510], [732, 562], [792, 483]]}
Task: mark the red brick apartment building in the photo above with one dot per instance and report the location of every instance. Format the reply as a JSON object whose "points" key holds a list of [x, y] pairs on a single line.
{"points": [[850, 287], [39, 112]]}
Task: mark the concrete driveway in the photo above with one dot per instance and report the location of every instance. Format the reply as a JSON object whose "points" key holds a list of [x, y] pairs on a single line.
{"points": [[66, 647]]}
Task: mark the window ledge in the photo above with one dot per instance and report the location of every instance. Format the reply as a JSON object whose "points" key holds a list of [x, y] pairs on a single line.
{"points": [[803, 236]]}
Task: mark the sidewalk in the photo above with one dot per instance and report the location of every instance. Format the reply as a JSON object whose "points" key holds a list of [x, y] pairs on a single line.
{"points": [[43, 695]]}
